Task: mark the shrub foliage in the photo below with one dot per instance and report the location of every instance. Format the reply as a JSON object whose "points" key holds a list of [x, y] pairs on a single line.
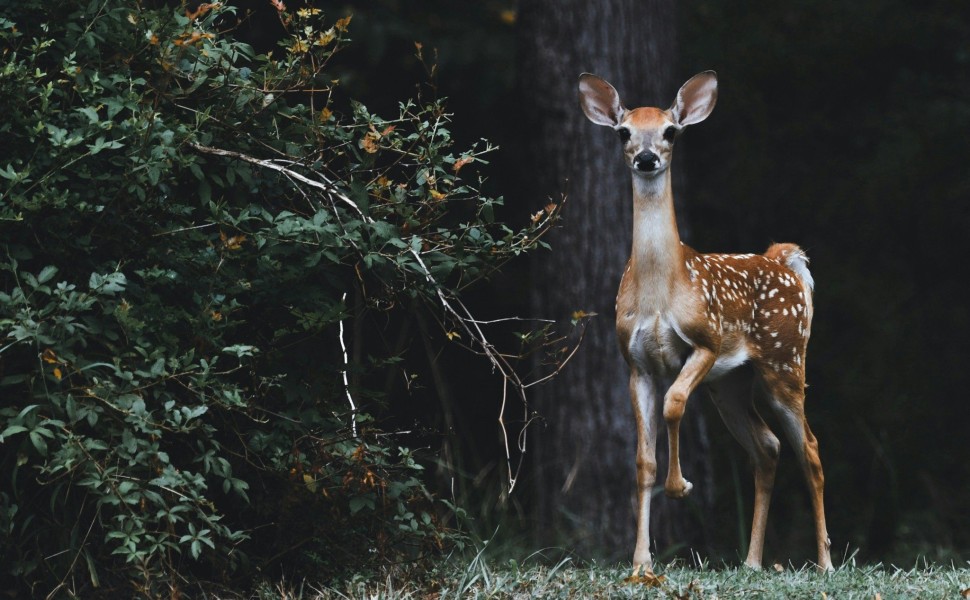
{"points": [[187, 227]]}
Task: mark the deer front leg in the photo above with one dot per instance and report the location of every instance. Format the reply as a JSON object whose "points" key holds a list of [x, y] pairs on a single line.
{"points": [[643, 393], [694, 370]]}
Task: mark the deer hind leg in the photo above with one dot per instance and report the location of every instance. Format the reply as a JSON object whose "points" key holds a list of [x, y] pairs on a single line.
{"points": [[788, 402], [697, 366], [643, 393], [733, 398]]}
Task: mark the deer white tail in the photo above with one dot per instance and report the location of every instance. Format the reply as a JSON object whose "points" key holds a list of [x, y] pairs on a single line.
{"points": [[796, 260]]}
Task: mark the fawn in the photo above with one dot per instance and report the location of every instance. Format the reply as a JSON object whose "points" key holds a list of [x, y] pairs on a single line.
{"points": [[737, 322]]}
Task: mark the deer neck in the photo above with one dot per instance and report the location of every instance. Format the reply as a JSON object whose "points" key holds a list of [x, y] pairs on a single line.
{"points": [[657, 258]]}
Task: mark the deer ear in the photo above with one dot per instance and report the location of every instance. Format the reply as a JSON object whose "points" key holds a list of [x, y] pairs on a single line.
{"points": [[599, 100], [696, 99]]}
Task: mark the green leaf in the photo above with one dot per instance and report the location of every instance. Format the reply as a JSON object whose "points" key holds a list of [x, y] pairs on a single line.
{"points": [[109, 284], [357, 503], [92, 568], [101, 144], [46, 274], [38, 441], [138, 407], [12, 430], [90, 113], [158, 368]]}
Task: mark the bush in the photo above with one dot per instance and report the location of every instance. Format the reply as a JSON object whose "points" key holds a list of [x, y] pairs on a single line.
{"points": [[187, 226]]}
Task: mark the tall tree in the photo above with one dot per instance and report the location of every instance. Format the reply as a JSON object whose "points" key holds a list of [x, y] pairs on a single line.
{"points": [[583, 453]]}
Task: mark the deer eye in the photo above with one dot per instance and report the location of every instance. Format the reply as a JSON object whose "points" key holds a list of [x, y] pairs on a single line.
{"points": [[670, 133], [624, 134]]}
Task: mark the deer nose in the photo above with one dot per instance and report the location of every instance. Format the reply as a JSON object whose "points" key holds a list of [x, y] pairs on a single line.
{"points": [[646, 161]]}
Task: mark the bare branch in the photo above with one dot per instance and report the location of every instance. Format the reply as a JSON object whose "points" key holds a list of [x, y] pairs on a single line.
{"points": [[325, 186]]}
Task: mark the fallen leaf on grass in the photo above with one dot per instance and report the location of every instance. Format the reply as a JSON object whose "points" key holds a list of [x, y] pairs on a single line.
{"points": [[647, 579]]}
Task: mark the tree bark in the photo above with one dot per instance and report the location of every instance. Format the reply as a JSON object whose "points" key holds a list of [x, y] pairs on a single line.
{"points": [[583, 451]]}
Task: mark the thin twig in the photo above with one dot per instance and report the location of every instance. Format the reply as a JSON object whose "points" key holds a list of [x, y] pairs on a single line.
{"points": [[350, 399], [507, 319], [559, 366], [180, 230]]}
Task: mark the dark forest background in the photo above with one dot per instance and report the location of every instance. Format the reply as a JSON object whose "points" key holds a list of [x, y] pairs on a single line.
{"points": [[840, 126]]}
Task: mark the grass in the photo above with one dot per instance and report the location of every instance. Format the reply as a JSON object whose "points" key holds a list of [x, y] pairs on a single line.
{"points": [[479, 578]]}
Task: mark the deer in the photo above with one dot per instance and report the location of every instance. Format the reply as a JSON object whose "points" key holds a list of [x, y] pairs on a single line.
{"points": [[737, 323]]}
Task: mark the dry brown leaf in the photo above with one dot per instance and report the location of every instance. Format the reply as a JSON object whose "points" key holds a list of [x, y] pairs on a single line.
{"points": [[648, 579], [298, 47], [461, 162], [369, 142], [232, 243], [201, 10], [325, 37], [341, 24]]}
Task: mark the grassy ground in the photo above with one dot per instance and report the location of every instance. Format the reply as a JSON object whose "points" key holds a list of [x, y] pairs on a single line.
{"points": [[479, 579]]}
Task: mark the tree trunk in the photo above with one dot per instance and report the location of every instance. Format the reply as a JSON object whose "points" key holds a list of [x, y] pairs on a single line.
{"points": [[583, 452]]}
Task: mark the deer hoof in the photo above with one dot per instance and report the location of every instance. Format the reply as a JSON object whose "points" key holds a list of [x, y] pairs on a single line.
{"points": [[678, 489]]}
